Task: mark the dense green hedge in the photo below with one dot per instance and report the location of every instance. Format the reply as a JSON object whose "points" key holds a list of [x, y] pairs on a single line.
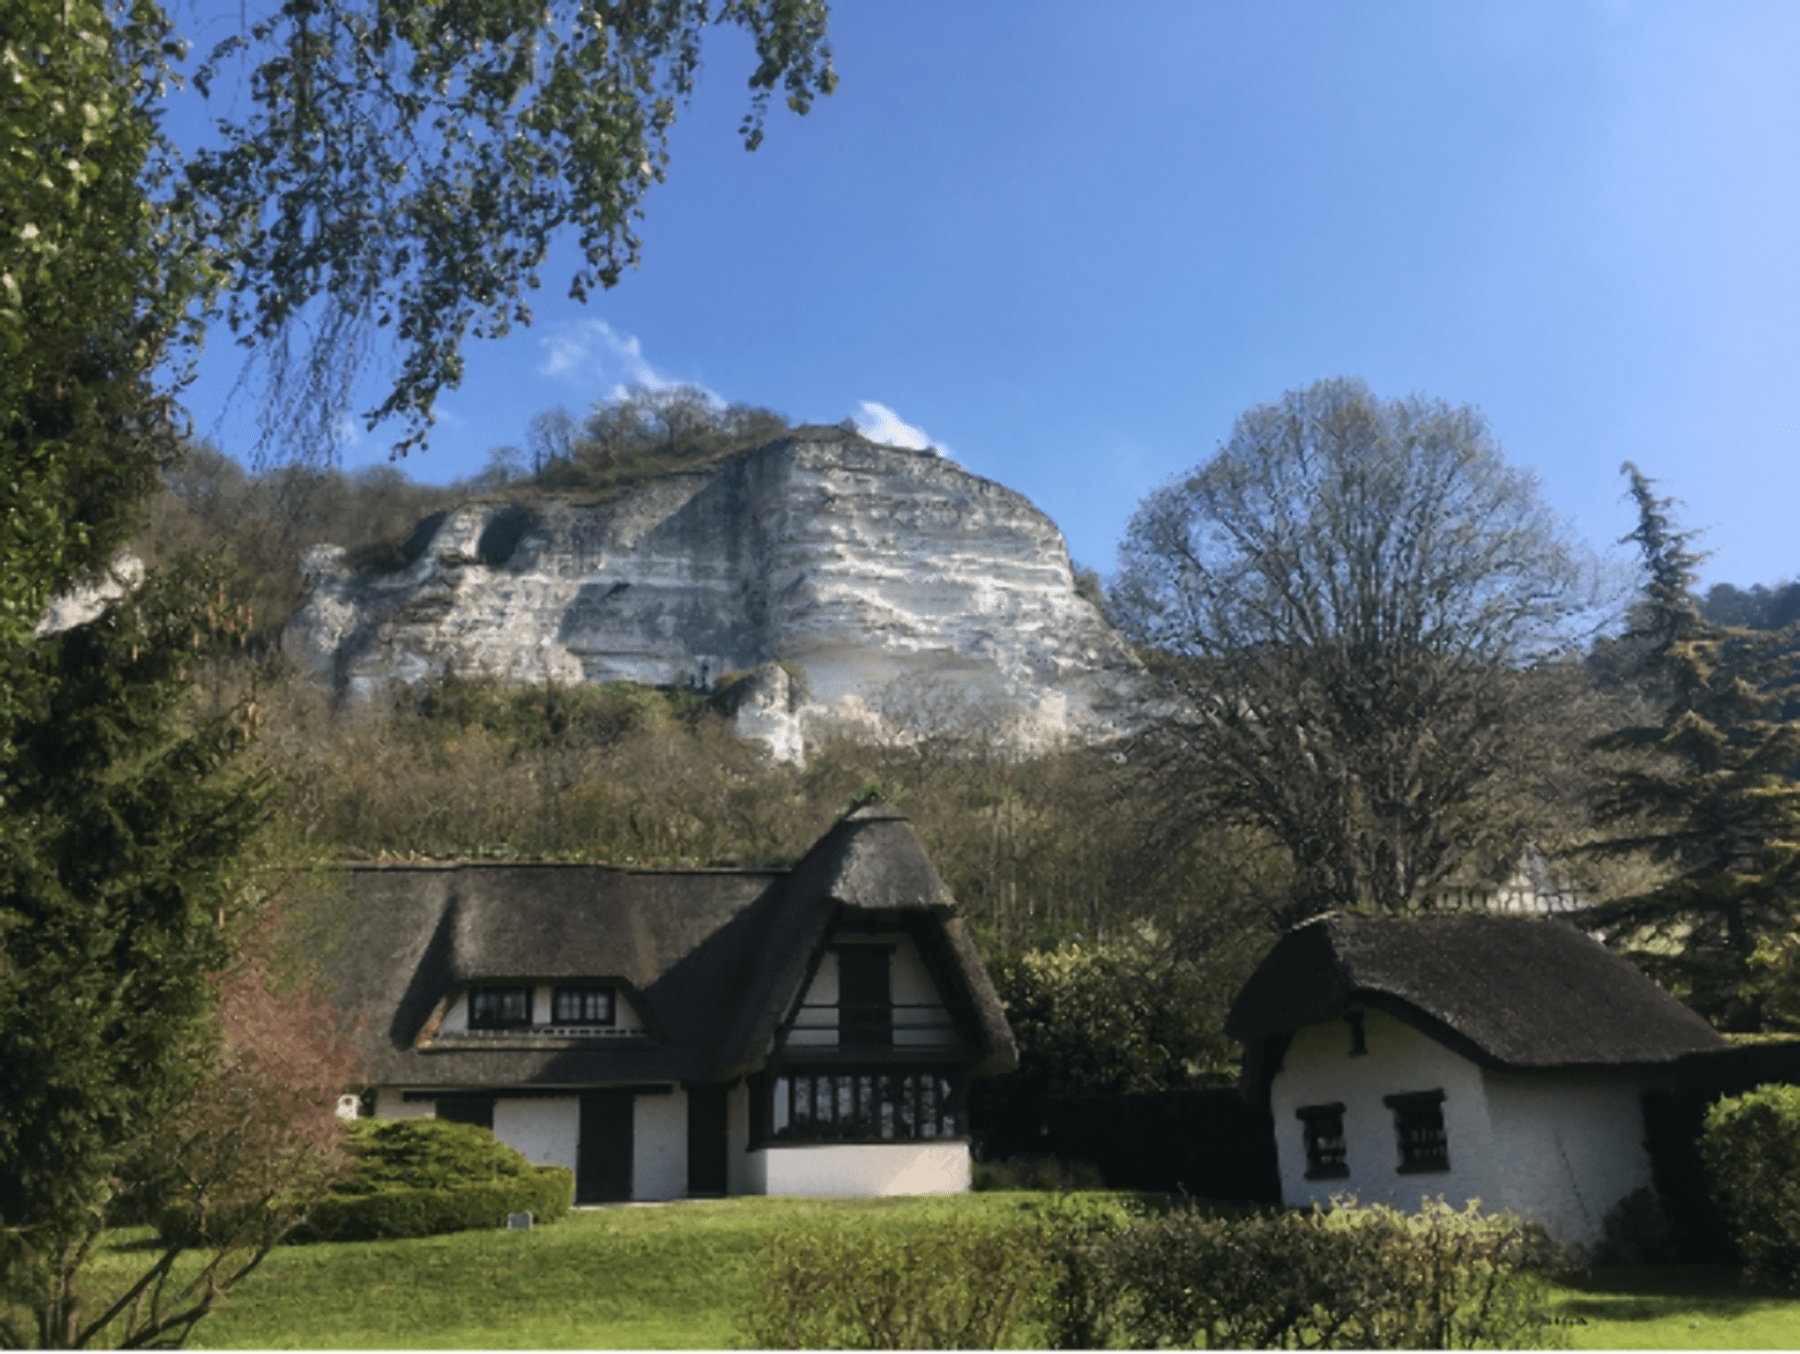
{"points": [[1351, 1278], [398, 1211], [1751, 1149], [419, 1177], [1070, 1276]]}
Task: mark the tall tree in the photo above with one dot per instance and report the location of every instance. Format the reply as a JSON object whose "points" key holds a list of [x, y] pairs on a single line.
{"points": [[1709, 791], [406, 165], [402, 170], [1353, 594]]}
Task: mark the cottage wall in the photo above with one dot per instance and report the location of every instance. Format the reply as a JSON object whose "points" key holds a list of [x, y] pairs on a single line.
{"points": [[1559, 1148], [860, 1169], [391, 1103], [1320, 1069], [659, 1130], [1567, 1147], [544, 1132]]}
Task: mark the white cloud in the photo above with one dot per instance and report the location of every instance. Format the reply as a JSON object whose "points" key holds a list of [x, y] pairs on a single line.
{"points": [[878, 423], [596, 358]]}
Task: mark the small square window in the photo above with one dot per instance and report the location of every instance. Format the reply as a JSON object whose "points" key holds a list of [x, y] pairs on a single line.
{"points": [[1322, 1131], [1419, 1131], [499, 1008], [582, 1006]]}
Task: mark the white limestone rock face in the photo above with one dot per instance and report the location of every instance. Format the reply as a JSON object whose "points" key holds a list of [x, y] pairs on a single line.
{"points": [[905, 593]]}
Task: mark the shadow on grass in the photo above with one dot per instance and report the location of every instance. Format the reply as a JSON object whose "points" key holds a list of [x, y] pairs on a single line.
{"points": [[1662, 1292]]}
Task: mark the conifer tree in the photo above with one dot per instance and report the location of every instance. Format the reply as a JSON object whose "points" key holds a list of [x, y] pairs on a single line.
{"points": [[1708, 792]]}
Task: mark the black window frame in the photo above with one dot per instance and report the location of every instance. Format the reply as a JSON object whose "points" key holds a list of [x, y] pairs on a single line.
{"points": [[1322, 1138], [584, 990], [865, 1005], [862, 1105], [1419, 1132], [479, 997]]}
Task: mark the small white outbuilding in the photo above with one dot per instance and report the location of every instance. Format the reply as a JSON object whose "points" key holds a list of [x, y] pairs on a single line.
{"points": [[1495, 1058]]}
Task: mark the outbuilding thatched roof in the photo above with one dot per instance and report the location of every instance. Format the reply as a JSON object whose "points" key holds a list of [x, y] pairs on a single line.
{"points": [[1506, 992], [713, 959]]}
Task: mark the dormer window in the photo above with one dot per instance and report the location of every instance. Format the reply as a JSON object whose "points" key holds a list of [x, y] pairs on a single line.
{"points": [[865, 997], [499, 1008], [584, 1005]]}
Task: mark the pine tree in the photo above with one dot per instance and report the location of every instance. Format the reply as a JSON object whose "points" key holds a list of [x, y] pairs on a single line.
{"points": [[1708, 793]]}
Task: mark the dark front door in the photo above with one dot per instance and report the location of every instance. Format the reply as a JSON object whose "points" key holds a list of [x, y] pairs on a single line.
{"points": [[603, 1156], [467, 1109], [706, 1172]]}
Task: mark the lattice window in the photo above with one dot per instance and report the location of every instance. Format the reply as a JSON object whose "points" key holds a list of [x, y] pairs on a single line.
{"points": [[884, 1106], [499, 1008], [1419, 1130], [582, 1006], [1322, 1131]]}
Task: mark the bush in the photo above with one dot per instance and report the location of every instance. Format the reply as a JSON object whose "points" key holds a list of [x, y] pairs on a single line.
{"points": [[420, 1177], [400, 1211], [946, 1284], [1085, 1273], [1354, 1278], [1037, 1173], [1751, 1149]]}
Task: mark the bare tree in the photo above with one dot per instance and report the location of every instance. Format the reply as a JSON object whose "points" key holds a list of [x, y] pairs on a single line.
{"points": [[1357, 593], [554, 434]]}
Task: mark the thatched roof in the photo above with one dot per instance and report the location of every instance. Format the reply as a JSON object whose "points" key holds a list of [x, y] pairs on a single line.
{"points": [[1513, 992], [712, 958]]}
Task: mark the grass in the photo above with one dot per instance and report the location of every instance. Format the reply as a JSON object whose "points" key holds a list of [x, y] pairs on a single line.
{"points": [[1676, 1307], [672, 1276], [681, 1276]]}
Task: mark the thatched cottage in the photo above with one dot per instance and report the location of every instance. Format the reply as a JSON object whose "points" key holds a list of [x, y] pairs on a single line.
{"points": [[1496, 1058], [667, 1033]]}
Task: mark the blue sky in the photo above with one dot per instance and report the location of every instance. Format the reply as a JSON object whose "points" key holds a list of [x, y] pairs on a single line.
{"points": [[1071, 242]]}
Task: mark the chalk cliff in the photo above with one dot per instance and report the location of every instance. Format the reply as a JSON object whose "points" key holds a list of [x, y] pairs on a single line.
{"points": [[909, 593]]}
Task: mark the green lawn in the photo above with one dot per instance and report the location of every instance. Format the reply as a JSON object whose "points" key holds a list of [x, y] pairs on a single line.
{"points": [[668, 1276], [1677, 1307], [677, 1276]]}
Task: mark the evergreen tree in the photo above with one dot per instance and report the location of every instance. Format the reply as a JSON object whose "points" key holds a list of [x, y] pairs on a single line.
{"points": [[1707, 792]]}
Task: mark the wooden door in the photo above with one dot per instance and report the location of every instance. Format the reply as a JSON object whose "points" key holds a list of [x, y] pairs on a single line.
{"points": [[707, 1169], [603, 1155]]}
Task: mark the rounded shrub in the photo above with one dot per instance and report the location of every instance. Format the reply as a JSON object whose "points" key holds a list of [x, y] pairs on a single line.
{"points": [[420, 1177], [1750, 1146]]}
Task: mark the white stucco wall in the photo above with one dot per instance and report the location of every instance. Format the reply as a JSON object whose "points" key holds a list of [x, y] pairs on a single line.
{"points": [[1319, 1069], [659, 1146], [544, 1132], [391, 1104], [1560, 1148], [1567, 1148], [737, 1140], [860, 1169]]}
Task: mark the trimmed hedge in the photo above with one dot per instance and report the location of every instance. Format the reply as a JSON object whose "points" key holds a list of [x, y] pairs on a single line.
{"points": [[1068, 1276], [398, 1211], [946, 1283], [1751, 1150], [420, 1177], [1352, 1278]]}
